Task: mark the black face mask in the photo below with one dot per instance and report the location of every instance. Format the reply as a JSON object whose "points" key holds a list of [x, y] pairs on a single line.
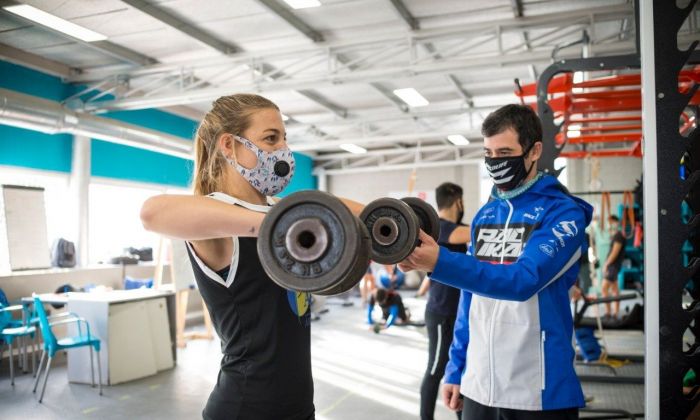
{"points": [[508, 172]]}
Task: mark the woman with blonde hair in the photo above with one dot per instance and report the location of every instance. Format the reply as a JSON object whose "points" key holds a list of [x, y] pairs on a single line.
{"points": [[241, 162]]}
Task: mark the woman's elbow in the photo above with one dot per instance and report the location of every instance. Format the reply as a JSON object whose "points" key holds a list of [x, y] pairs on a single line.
{"points": [[148, 213]]}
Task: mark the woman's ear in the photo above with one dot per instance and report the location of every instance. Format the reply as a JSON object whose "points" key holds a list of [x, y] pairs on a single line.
{"points": [[226, 144]]}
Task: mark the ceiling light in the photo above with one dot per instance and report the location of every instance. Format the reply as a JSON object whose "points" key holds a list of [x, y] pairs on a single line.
{"points": [[55, 23], [302, 4], [285, 117], [353, 148], [458, 139], [411, 97]]}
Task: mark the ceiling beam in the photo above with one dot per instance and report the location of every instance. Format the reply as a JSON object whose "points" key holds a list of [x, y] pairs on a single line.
{"points": [[517, 6], [36, 62], [360, 76], [105, 47], [325, 103], [399, 167], [387, 152], [451, 78], [223, 47], [289, 17], [405, 14], [393, 138], [182, 26], [602, 14], [122, 53]]}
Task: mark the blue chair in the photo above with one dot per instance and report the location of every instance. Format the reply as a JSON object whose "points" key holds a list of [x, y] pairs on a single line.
{"points": [[11, 330], [53, 345]]}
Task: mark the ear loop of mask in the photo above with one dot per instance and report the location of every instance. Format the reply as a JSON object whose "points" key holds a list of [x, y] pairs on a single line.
{"points": [[534, 162], [250, 146]]}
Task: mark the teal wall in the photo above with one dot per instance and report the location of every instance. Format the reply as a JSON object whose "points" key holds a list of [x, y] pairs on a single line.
{"points": [[111, 160], [302, 179], [32, 149]]}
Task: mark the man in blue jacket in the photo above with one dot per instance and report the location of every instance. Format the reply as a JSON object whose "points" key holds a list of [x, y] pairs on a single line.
{"points": [[511, 356]]}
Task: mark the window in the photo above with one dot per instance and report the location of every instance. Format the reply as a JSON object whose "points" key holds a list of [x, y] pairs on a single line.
{"points": [[114, 219]]}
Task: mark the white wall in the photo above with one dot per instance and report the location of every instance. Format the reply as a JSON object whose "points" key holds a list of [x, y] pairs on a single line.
{"points": [[616, 174], [365, 187]]}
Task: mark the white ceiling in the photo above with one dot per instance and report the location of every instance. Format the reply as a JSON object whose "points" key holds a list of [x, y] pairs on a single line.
{"points": [[327, 106]]}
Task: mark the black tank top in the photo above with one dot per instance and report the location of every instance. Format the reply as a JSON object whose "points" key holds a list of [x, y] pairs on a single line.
{"points": [[264, 331], [443, 299]]}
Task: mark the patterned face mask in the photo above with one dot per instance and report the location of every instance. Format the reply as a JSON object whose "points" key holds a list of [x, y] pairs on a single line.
{"points": [[272, 172]]}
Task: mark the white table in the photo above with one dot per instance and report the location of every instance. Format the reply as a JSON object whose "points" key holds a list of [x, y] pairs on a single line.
{"points": [[136, 329]]}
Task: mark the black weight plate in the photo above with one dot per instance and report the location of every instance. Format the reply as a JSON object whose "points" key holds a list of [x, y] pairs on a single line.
{"points": [[359, 269], [405, 229], [335, 262], [427, 216]]}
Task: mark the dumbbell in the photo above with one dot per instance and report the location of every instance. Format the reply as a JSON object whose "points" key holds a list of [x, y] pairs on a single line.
{"points": [[394, 225], [311, 242]]}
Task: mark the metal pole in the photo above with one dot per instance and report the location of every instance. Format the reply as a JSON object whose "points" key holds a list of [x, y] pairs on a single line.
{"points": [[651, 208]]}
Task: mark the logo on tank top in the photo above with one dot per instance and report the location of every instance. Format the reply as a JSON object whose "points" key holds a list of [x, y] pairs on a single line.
{"points": [[299, 302]]}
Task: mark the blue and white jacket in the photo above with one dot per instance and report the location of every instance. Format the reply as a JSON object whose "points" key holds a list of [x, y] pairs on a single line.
{"points": [[512, 338]]}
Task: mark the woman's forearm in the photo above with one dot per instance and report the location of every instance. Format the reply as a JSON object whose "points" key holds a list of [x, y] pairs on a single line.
{"points": [[355, 207], [198, 218]]}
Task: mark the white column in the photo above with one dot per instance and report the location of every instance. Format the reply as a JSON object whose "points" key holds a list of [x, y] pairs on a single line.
{"points": [[79, 187], [651, 211], [322, 178]]}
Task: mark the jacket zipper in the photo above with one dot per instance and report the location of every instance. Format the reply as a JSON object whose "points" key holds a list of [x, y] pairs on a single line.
{"points": [[495, 308], [505, 230], [542, 358], [491, 355]]}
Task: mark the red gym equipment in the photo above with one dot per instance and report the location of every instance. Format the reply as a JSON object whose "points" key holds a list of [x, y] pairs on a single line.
{"points": [[603, 110]]}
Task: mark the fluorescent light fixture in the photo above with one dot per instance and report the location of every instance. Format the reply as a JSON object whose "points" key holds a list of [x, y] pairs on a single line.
{"points": [[353, 148], [411, 97], [302, 4], [55, 23], [458, 139], [285, 117]]}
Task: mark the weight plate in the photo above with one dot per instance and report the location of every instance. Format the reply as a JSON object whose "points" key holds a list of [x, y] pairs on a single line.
{"points": [[393, 227], [427, 216], [359, 269], [308, 242]]}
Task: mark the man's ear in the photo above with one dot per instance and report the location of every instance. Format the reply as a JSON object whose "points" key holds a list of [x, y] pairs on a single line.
{"points": [[536, 152]]}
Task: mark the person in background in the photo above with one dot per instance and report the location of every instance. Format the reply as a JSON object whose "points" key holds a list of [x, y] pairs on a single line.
{"points": [[391, 277], [612, 265], [441, 309], [392, 307]]}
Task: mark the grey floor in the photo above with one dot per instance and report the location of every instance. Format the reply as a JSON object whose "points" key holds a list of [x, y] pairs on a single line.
{"points": [[357, 375]]}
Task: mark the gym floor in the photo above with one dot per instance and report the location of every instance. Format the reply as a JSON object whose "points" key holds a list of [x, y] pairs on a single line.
{"points": [[357, 375]]}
